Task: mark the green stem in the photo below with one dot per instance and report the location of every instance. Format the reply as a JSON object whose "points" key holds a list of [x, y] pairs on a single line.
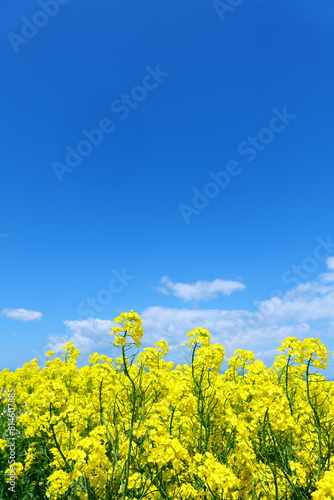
{"points": [[316, 416], [133, 410], [67, 465], [286, 384]]}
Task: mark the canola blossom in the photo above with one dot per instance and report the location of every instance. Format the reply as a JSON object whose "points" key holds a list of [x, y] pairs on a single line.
{"points": [[139, 427]]}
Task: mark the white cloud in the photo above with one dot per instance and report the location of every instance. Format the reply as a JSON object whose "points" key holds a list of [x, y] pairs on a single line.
{"points": [[235, 329], [328, 277], [22, 314], [330, 263], [88, 335], [307, 302], [201, 290]]}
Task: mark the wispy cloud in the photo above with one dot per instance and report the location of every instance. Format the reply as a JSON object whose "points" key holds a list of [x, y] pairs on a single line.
{"points": [[22, 314], [201, 290]]}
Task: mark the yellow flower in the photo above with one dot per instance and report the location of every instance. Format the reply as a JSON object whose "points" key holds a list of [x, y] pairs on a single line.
{"points": [[69, 351], [199, 336], [308, 350], [3, 444], [131, 324], [325, 487], [16, 468], [59, 482], [119, 340]]}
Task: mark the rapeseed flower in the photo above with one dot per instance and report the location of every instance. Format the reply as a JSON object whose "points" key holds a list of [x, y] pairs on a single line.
{"points": [[140, 427]]}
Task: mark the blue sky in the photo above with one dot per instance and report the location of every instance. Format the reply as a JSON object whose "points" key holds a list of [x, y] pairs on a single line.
{"points": [[174, 158]]}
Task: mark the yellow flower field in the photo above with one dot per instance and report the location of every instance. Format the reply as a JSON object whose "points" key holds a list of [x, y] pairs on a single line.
{"points": [[138, 427]]}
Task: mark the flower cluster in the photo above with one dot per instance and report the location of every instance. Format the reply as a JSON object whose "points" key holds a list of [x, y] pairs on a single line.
{"points": [[130, 325], [307, 350]]}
